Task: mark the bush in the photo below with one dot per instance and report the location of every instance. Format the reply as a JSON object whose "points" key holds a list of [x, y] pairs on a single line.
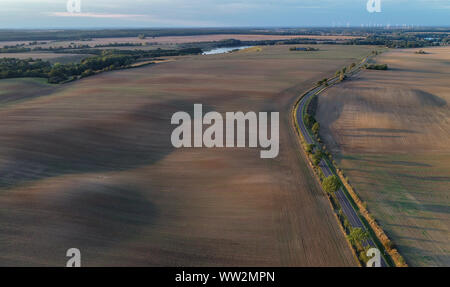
{"points": [[309, 120], [323, 81], [315, 128], [363, 257], [377, 67], [317, 157], [310, 148], [331, 184], [347, 224], [87, 73], [357, 236], [321, 175]]}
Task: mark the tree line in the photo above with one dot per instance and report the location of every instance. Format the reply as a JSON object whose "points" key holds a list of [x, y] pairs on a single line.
{"points": [[107, 60]]}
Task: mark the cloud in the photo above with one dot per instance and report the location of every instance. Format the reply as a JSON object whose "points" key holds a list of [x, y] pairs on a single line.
{"points": [[137, 18], [94, 15], [177, 13]]}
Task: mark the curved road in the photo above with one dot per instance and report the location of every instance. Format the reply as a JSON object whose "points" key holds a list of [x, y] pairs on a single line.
{"points": [[347, 208]]}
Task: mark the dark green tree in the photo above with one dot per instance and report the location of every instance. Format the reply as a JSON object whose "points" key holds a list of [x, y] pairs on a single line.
{"points": [[331, 184], [357, 237]]}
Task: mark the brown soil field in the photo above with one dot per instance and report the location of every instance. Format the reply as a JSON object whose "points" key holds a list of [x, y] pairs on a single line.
{"points": [[14, 91], [90, 165], [390, 132]]}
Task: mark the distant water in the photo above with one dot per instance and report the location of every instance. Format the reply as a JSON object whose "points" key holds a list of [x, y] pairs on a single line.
{"points": [[224, 50]]}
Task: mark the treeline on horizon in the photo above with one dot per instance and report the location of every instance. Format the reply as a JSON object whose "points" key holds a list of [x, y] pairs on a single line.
{"points": [[105, 60], [402, 40], [74, 34], [390, 41]]}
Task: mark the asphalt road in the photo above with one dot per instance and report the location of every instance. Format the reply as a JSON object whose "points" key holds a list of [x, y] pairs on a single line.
{"points": [[347, 208]]}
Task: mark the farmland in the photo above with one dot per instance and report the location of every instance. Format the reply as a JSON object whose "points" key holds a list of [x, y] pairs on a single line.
{"points": [[390, 133], [172, 40], [89, 164]]}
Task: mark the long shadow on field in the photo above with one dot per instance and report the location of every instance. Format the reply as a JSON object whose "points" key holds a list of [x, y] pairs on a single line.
{"points": [[14, 91], [420, 239], [89, 216], [424, 257], [370, 136], [415, 97], [430, 178], [416, 227], [138, 138], [428, 99], [388, 162], [410, 206], [382, 130]]}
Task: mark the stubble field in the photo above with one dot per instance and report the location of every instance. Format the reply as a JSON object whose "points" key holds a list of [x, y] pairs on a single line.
{"points": [[170, 40], [390, 132]]}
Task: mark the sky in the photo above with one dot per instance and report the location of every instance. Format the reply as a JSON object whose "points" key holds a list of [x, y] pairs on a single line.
{"points": [[220, 13]]}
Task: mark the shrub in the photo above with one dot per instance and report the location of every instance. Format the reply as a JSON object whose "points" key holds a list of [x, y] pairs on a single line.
{"points": [[323, 81], [331, 184], [363, 257], [309, 120], [377, 67], [87, 73], [357, 236], [321, 175], [347, 224], [310, 148], [315, 128], [317, 157]]}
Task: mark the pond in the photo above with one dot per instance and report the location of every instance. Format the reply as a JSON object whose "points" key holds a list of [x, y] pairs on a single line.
{"points": [[224, 50]]}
